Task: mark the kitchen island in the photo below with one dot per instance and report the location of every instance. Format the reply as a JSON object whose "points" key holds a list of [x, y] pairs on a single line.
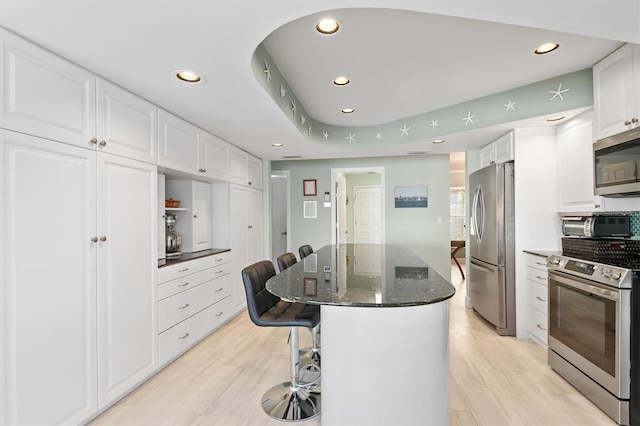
{"points": [[385, 333]]}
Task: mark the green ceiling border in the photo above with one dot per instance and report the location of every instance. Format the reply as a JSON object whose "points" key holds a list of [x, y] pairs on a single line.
{"points": [[543, 98]]}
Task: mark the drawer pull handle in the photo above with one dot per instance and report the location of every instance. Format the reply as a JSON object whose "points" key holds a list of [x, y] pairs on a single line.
{"points": [[541, 327], [219, 260], [219, 314], [541, 299], [219, 290], [541, 278], [183, 285], [183, 270], [541, 263], [185, 306], [183, 337], [220, 271]]}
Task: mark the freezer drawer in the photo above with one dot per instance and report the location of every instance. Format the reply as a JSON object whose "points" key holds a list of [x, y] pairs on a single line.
{"points": [[487, 290]]}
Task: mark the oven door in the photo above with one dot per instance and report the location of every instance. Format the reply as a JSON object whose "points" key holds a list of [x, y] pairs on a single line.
{"points": [[589, 326]]}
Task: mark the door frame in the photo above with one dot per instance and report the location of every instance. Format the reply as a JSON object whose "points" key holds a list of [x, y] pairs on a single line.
{"points": [[278, 174], [334, 207]]}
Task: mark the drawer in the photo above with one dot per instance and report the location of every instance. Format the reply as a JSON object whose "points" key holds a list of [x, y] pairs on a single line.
{"points": [[172, 272], [179, 338], [537, 324], [216, 290], [179, 307], [216, 259], [537, 296], [176, 286], [215, 315], [537, 262], [216, 272], [536, 275]]}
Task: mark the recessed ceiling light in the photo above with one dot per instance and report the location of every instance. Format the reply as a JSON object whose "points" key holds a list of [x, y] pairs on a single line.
{"points": [[341, 81], [347, 110], [327, 26], [188, 76], [276, 145], [546, 48], [437, 141], [291, 156], [552, 119], [418, 152]]}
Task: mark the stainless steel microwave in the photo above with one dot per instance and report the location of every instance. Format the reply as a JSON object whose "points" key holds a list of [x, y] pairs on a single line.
{"points": [[616, 161]]}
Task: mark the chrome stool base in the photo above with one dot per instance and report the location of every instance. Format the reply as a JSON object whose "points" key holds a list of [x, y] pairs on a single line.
{"points": [[286, 403]]}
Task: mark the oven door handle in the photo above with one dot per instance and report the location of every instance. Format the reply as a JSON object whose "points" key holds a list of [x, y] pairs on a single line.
{"points": [[582, 284]]}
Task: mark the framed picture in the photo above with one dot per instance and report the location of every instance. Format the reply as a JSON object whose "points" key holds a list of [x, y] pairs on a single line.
{"points": [[309, 187], [309, 209], [310, 287], [411, 197]]}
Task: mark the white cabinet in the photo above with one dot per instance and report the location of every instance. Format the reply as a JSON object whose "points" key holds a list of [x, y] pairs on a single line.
{"points": [[213, 157], [127, 125], [47, 282], [537, 304], [127, 265], [44, 95], [194, 298], [160, 215], [498, 151], [80, 307], [616, 92], [575, 166], [178, 143], [245, 169], [246, 235], [195, 223]]}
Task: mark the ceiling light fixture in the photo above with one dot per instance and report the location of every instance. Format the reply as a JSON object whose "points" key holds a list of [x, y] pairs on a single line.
{"points": [[276, 145], [437, 141], [553, 119], [546, 48], [418, 152], [188, 76], [347, 110], [327, 26], [341, 81]]}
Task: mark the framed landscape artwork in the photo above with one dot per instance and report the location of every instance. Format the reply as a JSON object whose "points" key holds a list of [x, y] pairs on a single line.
{"points": [[411, 197]]}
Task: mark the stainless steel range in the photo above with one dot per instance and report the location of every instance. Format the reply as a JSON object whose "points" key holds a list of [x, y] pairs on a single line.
{"points": [[593, 314]]}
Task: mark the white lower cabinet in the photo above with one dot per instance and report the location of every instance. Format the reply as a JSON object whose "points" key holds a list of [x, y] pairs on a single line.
{"points": [[78, 276], [193, 299], [537, 304]]}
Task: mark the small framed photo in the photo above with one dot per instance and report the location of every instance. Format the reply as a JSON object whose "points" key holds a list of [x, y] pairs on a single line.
{"points": [[310, 287], [309, 187]]}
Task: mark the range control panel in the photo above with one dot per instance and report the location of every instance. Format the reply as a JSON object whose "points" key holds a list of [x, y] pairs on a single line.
{"points": [[606, 274]]}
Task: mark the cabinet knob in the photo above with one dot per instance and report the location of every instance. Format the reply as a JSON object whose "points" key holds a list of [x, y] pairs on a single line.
{"points": [[103, 143], [94, 240], [627, 122], [94, 141], [202, 170], [250, 183], [634, 120], [103, 238], [597, 206], [249, 226], [195, 216]]}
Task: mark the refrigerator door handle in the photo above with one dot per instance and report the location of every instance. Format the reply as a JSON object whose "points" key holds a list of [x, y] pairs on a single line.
{"points": [[480, 228], [481, 267]]}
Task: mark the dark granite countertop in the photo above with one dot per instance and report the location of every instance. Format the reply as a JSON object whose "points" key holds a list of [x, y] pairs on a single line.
{"points": [[544, 253], [189, 256], [367, 275]]}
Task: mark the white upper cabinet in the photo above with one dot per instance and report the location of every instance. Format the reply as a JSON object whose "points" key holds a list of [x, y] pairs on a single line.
{"points": [[127, 125], [213, 157], [575, 165], [178, 143], [255, 172], [499, 151], [246, 170], [44, 95], [616, 92]]}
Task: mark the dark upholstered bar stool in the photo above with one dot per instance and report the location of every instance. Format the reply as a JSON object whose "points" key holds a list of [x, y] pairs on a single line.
{"points": [[288, 401], [285, 261], [305, 251]]}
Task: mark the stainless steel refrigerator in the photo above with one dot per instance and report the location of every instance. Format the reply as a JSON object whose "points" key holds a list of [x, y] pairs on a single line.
{"points": [[491, 277]]}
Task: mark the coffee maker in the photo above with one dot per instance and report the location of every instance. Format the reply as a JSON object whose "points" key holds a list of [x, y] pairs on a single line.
{"points": [[173, 239]]}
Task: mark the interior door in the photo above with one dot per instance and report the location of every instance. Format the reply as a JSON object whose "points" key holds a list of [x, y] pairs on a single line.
{"points": [[279, 231], [366, 213], [341, 210]]}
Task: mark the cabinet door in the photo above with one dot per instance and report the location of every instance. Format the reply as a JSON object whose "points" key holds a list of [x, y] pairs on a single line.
{"points": [[47, 281], [239, 197], [126, 124], [255, 172], [503, 148], [255, 226], [127, 265], [575, 165], [160, 214], [613, 88], [239, 167], [487, 155], [178, 142], [213, 157], [201, 205], [44, 95]]}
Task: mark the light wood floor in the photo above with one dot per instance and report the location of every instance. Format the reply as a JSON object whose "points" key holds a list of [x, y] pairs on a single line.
{"points": [[494, 380]]}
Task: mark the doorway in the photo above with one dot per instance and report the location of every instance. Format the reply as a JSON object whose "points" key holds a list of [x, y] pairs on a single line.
{"points": [[357, 214], [280, 219]]}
